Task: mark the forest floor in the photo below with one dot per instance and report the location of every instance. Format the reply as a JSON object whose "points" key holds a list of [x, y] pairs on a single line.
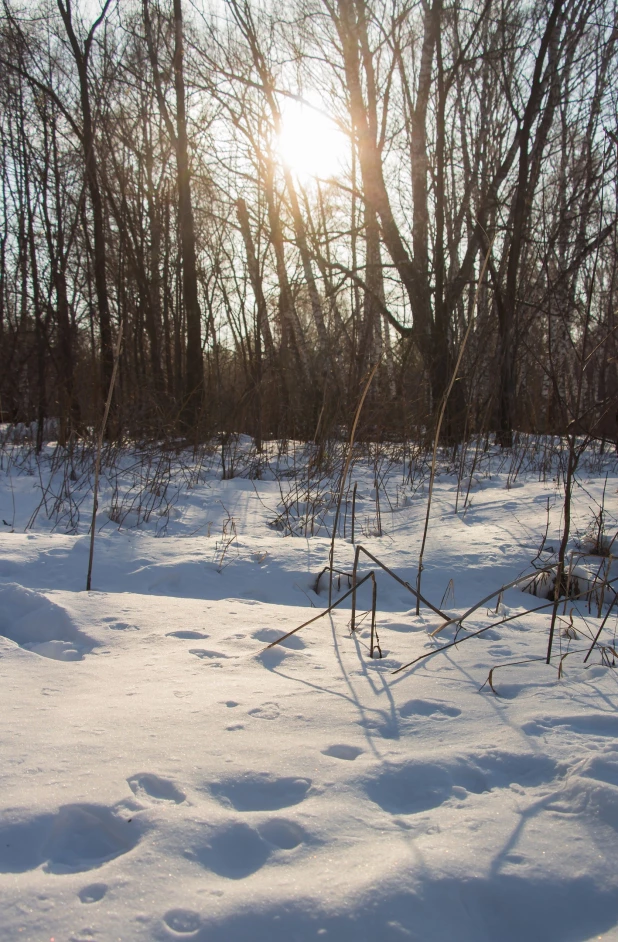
{"points": [[165, 777]]}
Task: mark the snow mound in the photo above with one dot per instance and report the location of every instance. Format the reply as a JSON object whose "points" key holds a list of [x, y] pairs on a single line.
{"points": [[36, 624]]}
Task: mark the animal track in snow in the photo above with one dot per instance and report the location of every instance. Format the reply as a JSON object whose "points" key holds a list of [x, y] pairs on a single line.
{"points": [[281, 833], [182, 921], [93, 893], [418, 786], [122, 626], [186, 635], [38, 625], [210, 655], [146, 784], [414, 787], [268, 711], [432, 708], [386, 727], [234, 851], [76, 838], [342, 751], [500, 650], [267, 635], [261, 792]]}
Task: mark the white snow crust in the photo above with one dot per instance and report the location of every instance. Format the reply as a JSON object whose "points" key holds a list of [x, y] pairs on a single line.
{"points": [[164, 777]]}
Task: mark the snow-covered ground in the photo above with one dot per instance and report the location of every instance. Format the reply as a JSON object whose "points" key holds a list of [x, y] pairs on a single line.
{"points": [[165, 777]]}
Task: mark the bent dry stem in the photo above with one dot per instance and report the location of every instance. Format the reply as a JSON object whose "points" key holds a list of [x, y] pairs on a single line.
{"points": [[321, 615], [436, 441], [361, 549], [495, 624], [97, 465], [344, 475]]}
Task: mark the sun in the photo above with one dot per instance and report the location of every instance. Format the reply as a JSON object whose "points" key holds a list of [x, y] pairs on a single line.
{"points": [[310, 143]]}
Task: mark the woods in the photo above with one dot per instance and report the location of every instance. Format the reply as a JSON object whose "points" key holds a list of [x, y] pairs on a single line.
{"points": [[145, 182]]}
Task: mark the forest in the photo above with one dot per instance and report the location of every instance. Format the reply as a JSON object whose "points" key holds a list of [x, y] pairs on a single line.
{"points": [[309, 470], [270, 201]]}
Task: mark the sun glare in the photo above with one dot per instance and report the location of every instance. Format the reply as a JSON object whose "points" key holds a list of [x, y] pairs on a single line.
{"points": [[310, 143]]}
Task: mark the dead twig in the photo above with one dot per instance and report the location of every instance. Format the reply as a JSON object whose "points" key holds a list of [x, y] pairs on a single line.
{"points": [[97, 464], [393, 575], [598, 634], [344, 475], [502, 589], [321, 615], [474, 634]]}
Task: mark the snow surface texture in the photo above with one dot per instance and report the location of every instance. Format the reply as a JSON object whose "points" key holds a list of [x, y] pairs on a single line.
{"points": [[164, 777]]}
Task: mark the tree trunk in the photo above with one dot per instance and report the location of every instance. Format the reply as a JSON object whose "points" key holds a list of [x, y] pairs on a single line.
{"points": [[194, 391], [81, 57]]}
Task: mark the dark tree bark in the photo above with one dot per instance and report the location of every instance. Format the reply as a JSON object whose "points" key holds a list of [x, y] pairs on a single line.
{"points": [[81, 55], [194, 381]]}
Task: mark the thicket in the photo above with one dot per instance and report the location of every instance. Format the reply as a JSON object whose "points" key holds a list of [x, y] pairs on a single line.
{"points": [[142, 183]]}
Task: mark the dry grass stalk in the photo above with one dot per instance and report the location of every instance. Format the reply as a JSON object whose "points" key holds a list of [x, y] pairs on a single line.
{"points": [[495, 624], [393, 575], [344, 475], [97, 463], [439, 424], [321, 615]]}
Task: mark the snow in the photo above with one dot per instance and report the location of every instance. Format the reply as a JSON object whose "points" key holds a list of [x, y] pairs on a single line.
{"points": [[164, 777]]}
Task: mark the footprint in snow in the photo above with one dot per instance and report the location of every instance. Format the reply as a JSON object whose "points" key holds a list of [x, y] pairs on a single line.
{"points": [[500, 651], [386, 728], [281, 833], [234, 851], [342, 751], [210, 655], [268, 711], [146, 784], [93, 893], [412, 787], [76, 838], [432, 708], [182, 921], [186, 635], [260, 792]]}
